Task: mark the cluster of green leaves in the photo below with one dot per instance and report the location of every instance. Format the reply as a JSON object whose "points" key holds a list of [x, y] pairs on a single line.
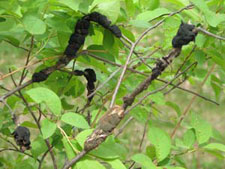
{"points": [[52, 22]]}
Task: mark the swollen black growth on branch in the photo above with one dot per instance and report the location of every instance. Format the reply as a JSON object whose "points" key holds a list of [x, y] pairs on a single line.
{"points": [[103, 21], [184, 35], [77, 40], [39, 76], [90, 76], [22, 137]]}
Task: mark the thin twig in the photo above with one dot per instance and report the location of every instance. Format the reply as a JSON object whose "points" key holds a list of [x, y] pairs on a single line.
{"points": [[8, 141], [15, 150], [123, 126], [190, 104], [23, 75], [174, 87], [105, 82], [42, 158], [15, 45], [210, 34], [185, 60], [14, 119], [144, 133], [142, 140], [127, 39], [190, 91], [18, 88], [67, 138], [21, 68], [99, 111], [122, 75], [142, 60]]}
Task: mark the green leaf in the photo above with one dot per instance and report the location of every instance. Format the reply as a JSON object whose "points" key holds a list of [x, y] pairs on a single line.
{"points": [[144, 160], [153, 4], [202, 128], [108, 39], [25, 164], [201, 5], [130, 7], [7, 24], [76, 120], [29, 124], [96, 49], [161, 140], [72, 4], [109, 149], [41, 94], [217, 58], [63, 38], [172, 167], [55, 21], [217, 89], [150, 151], [200, 56], [95, 3], [149, 4], [34, 25], [38, 147], [69, 150], [212, 18], [189, 138], [47, 128], [74, 88], [82, 136], [140, 23], [158, 98], [128, 34], [116, 164], [179, 143], [140, 113], [111, 9], [149, 15], [174, 106], [215, 146], [86, 163], [200, 40]]}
